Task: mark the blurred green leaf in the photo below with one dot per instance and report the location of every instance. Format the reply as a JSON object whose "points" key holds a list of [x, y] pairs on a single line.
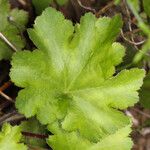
{"points": [[145, 92], [146, 5], [142, 53], [12, 24], [136, 4], [62, 2], [40, 5]]}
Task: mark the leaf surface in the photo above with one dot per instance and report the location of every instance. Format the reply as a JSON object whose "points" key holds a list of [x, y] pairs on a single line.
{"points": [[69, 84], [12, 24], [10, 138], [146, 5]]}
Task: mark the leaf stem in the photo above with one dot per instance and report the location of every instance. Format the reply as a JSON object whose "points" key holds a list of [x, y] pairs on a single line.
{"points": [[35, 135], [6, 97], [141, 23], [8, 42]]}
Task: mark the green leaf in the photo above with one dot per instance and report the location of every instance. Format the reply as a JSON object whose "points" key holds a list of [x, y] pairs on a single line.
{"points": [[33, 126], [136, 4], [146, 5], [10, 138], [142, 53], [12, 25], [72, 141], [69, 141], [69, 84], [144, 93], [41, 5], [62, 2]]}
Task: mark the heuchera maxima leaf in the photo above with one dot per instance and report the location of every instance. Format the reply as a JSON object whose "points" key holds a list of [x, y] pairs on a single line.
{"points": [[68, 82]]}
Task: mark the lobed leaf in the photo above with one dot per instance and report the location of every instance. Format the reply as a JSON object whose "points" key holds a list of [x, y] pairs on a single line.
{"points": [[10, 138], [116, 141], [12, 24], [69, 84]]}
